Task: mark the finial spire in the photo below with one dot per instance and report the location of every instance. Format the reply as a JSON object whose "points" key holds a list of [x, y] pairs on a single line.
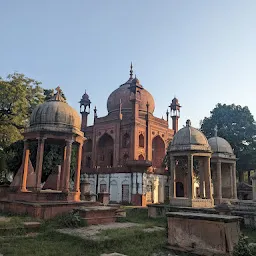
{"points": [[57, 96], [216, 131], [131, 71], [58, 89], [188, 123]]}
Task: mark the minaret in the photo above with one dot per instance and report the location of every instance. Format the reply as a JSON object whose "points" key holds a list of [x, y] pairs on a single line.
{"points": [[85, 105], [167, 117], [175, 113], [95, 114]]}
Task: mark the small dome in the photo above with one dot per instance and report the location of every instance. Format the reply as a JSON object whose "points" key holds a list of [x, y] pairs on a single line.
{"points": [[220, 145], [123, 93], [55, 115], [189, 138]]}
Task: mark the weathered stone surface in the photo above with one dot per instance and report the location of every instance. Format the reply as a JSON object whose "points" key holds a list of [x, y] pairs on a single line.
{"points": [[32, 224], [113, 254], [203, 234], [53, 181], [31, 179]]}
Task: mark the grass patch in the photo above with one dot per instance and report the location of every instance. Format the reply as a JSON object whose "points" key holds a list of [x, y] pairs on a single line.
{"points": [[130, 241], [140, 215], [67, 220], [52, 243], [251, 233]]}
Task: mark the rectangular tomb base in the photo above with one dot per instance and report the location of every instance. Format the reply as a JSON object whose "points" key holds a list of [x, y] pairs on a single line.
{"points": [[96, 215], [41, 210], [196, 202], [202, 234]]}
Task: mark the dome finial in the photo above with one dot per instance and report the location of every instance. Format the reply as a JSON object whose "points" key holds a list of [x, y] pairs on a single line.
{"points": [[58, 89], [216, 130], [57, 96], [131, 71], [188, 123]]}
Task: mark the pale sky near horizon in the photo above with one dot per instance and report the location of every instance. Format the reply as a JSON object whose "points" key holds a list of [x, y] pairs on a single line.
{"points": [[203, 52]]}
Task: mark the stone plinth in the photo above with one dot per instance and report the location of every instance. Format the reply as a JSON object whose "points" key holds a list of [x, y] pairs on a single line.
{"points": [[40, 210], [103, 197], [44, 196], [203, 234], [197, 202], [98, 214]]}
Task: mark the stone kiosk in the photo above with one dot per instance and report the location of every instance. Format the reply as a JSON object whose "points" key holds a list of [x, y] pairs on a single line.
{"points": [[51, 122], [188, 152], [223, 164]]}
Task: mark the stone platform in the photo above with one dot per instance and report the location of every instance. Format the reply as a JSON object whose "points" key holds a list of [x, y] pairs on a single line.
{"points": [[41, 210], [160, 210], [43, 196], [202, 234], [95, 215], [196, 202]]}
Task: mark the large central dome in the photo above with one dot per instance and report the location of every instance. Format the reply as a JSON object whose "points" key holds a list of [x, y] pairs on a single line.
{"points": [[123, 93]]}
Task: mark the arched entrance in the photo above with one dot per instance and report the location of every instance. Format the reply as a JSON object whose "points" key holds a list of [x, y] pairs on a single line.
{"points": [[179, 189], [105, 149], [158, 151], [113, 191]]}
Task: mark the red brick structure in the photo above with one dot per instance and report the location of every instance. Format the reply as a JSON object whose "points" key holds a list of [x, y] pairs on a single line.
{"points": [[128, 135]]}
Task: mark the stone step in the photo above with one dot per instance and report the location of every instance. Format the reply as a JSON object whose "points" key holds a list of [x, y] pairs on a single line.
{"points": [[99, 220], [98, 211]]}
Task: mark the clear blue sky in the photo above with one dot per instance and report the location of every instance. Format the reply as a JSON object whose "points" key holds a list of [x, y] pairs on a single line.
{"points": [[203, 52]]}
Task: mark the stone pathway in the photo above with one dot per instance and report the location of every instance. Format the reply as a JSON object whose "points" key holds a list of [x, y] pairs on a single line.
{"points": [[93, 232], [4, 219]]}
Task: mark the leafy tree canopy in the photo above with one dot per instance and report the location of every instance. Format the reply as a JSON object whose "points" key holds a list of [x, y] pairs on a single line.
{"points": [[18, 97], [235, 124]]}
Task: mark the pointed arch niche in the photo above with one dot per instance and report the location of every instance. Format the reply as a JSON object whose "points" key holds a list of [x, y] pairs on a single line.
{"points": [[158, 151], [105, 149]]}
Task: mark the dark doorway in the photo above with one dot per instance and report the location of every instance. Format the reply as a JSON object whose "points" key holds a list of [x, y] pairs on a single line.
{"points": [[179, 189]]}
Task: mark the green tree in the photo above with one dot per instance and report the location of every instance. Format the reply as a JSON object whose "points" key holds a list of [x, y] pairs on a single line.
{"points": [[235, 124], [18, 97], [12, 138]]}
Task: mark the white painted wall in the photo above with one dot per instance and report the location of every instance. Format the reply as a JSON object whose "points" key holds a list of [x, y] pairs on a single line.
{"points": [[115, 181]]}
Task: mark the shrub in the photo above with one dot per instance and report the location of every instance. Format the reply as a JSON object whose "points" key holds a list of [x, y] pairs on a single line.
{"points": [[68, 220], [242, 248]]}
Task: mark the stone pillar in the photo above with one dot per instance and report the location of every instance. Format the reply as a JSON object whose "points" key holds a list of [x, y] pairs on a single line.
{"points": [[78, 168], [219, 181], [39, 162], [25, 167], [253, 178], [173, 178], [190, 192], [231, 181], [62, 174], [201, 173], [207, 177], [234, 181], [67, 165]]}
